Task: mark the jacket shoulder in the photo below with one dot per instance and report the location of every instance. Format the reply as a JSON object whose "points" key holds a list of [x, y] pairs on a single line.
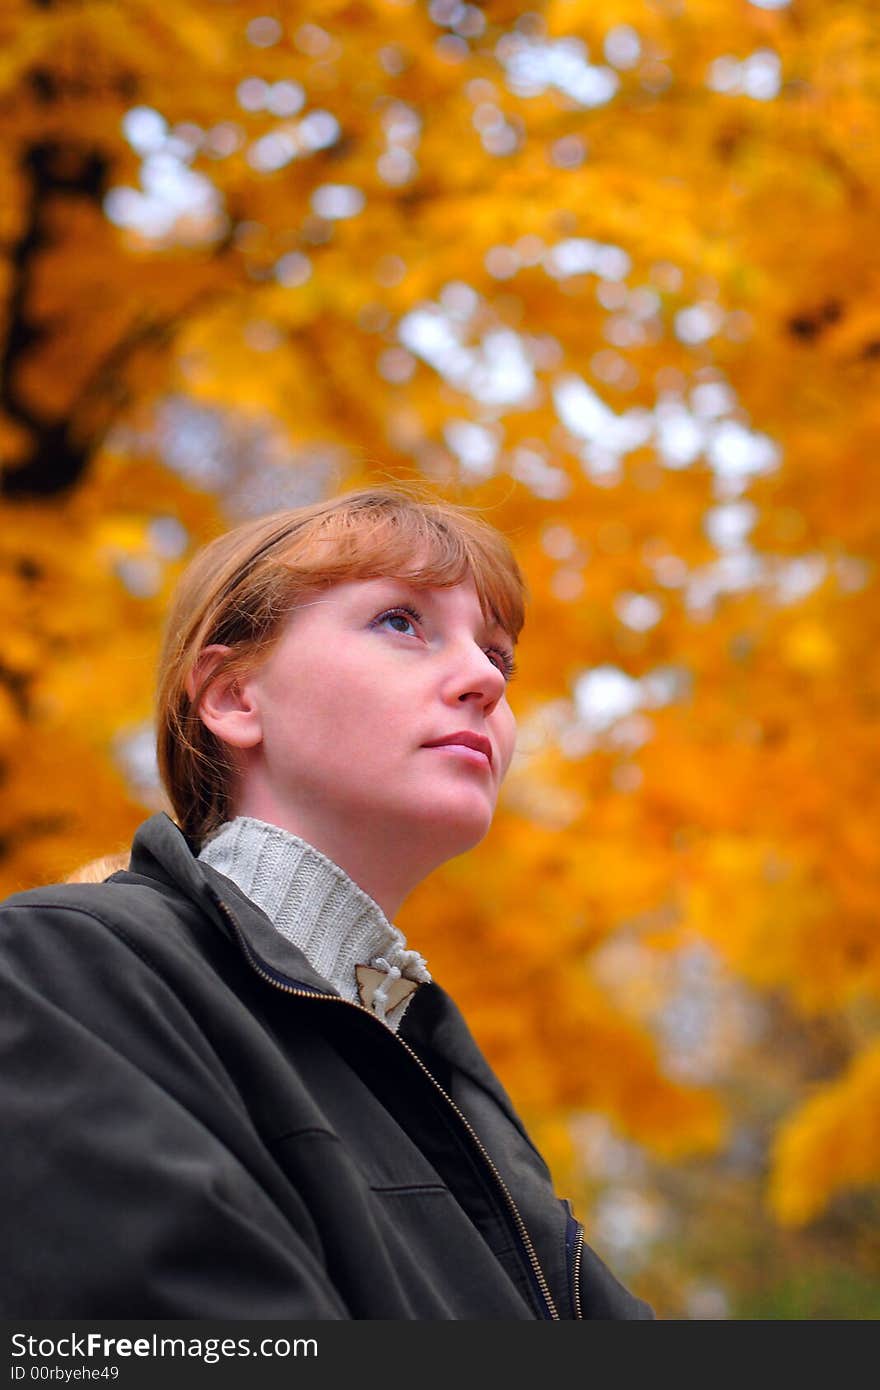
{"points": [[113, 898], [103, 917]]}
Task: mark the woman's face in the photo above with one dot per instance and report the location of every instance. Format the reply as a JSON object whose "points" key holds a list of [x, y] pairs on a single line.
{"points": [[364, 678]]}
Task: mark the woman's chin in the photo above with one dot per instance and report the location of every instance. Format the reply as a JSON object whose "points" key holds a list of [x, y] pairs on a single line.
{"points": [[453, 828]]}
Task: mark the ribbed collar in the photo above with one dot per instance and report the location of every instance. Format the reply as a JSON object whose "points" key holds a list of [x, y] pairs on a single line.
{"points": [[316, 906]]}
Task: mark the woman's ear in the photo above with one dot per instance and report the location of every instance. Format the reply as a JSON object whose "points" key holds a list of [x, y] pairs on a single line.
{"points": [[226, 705]]}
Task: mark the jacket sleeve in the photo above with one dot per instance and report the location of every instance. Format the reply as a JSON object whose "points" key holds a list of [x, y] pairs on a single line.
{"points": [[119, 1200]]}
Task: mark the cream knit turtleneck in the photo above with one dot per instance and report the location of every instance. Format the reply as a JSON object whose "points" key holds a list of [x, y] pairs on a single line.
{"points": [[316, 906]]}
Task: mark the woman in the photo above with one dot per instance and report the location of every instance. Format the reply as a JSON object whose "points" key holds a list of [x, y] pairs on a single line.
{"points": [[230, 1088]]}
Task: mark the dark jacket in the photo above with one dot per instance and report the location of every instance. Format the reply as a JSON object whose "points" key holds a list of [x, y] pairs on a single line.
{"points": [[197, 1126]]}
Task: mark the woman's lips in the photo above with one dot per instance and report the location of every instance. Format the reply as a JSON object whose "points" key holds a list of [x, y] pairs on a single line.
{"points": [[467, 738], [470, 755]]}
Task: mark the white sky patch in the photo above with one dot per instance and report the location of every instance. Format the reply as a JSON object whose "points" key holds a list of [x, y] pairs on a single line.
{"points": [[531, 467], [640, 612], [680, 437], [315, 41], [500, 371], [487, 117], [503, 373], [670, 571], [396, 167], [135, 752], [698, 322], [853, 573], [497, 371], [604, 695], [559, 541], [628, 1221], [624, 332], [613, 369], [601, 464], [609, 1157], [474, 446], [628, 431], [797, 578], [582, 256], [725, 75], [192, 443], [728, 525], [168, 537], [396, 365], [471, 22], [608, 705], [500, 140], [264, 31], [144, 129], [581, 410], [568, 152], [337, 201], [530, 249], [735, 572], [185, 139], [585, 414], [705, 1018], [643, 302], [252, 93], [318, 130], [246, 459], [286, 98], [567, 584], [712, 399], [273, 151], [459, 300], [402, 126], [737, 454], [622, 47], [533, 66], [607, 708], [664, 685], [141, 575], [502, 262], [173, 199], [224, 139], [432, 335], [759, 76], [293, 269]]}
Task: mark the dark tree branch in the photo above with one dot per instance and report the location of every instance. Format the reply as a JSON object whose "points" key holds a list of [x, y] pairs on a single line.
{"points": [[61, 449], [56, 461]]}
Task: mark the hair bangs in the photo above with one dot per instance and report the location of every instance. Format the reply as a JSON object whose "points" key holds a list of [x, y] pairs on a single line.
{"points": [[390, 536]]}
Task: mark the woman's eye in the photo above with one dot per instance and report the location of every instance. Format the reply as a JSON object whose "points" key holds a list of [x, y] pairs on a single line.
{"points": [[504, 661], [400, 618], [406, 617]]}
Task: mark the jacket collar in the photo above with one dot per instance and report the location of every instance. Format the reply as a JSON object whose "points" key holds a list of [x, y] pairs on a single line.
{"points": [[434, 1021], [162, 853]]}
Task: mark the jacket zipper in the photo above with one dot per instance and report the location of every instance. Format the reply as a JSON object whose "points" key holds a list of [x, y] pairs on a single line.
{"points": [[529, 1248], [577, 1242]]}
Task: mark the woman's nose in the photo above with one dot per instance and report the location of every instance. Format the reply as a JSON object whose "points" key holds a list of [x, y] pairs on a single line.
{"points": [[475, 676]]}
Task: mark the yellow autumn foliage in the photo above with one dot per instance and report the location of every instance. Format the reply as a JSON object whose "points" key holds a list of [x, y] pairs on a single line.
{"points": [[605, 273], [831, 1143]]}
